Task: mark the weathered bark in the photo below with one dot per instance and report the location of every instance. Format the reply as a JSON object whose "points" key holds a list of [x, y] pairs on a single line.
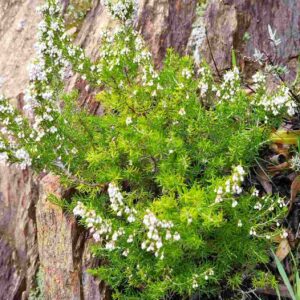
{"points": [[18, 243], [166, 24], [227, 22]]}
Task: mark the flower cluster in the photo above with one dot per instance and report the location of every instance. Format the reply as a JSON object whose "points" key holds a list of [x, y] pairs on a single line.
{"points": [[117, 203], [295, 162], [41, 102], [232, 186], [205, 82], [9, 146], [281, 101], [123, 10], [265, 204], [206, 275], [127, 38], [24, 158], [259, 79], [156, 228], [230, 85], [100, 228]]}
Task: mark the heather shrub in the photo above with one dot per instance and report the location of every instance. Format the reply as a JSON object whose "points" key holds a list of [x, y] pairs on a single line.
{"points": [[161, 178]]}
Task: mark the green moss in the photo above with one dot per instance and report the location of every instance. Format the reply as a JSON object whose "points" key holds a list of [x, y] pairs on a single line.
{"points": [[38, 293], [76, 12]]}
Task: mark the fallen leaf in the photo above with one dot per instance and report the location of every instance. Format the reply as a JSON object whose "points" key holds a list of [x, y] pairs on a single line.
{"points": [[264, 180], [280, 167], [280, 149], [288, 137], [278, 158], [283, 249], [295, 189]]}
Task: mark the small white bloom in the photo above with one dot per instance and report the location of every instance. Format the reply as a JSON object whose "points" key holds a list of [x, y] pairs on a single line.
{"points": [[284, 234], [128, 121], [182, 111], [176, 236], [258, 78], [130, 239], [125, 252], [168, 235], [255, 192]]}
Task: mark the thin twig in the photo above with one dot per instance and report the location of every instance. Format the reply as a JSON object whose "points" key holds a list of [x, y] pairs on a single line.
{"points": [[211, 54]]}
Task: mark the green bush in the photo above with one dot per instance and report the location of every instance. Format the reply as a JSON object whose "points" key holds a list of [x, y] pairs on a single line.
{"points": [[161, 176]]}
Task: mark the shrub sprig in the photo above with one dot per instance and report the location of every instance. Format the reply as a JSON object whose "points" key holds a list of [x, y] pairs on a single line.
{"points": [[160, 177]]}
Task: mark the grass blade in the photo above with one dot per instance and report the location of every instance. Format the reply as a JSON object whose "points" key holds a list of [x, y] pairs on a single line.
{"points": [[284, 276], [278, 292], [233, 58], [297, 286]]}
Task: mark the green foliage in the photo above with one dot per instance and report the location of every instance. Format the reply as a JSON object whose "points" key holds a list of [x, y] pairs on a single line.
{"points": [[160, 176], [294, 290], [38, 292], [264, 279], [76, 12]]}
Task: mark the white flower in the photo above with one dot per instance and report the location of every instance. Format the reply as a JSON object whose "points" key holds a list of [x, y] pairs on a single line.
{"points": [[130, 239], [36, 71], [203, 86], [128, 121], [110, 245], [218, 199], [125, 252], [23, 156], [168, 235], [79, 210], [240, 224], [255, 192], [131, 218], [52, 129], [258, 78], [284, 234], [182, 112], [186, 73], [195, 285], [234, 203], [258, 206], [96, 236], [176, 236], [159, 244], [240, 170]]}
